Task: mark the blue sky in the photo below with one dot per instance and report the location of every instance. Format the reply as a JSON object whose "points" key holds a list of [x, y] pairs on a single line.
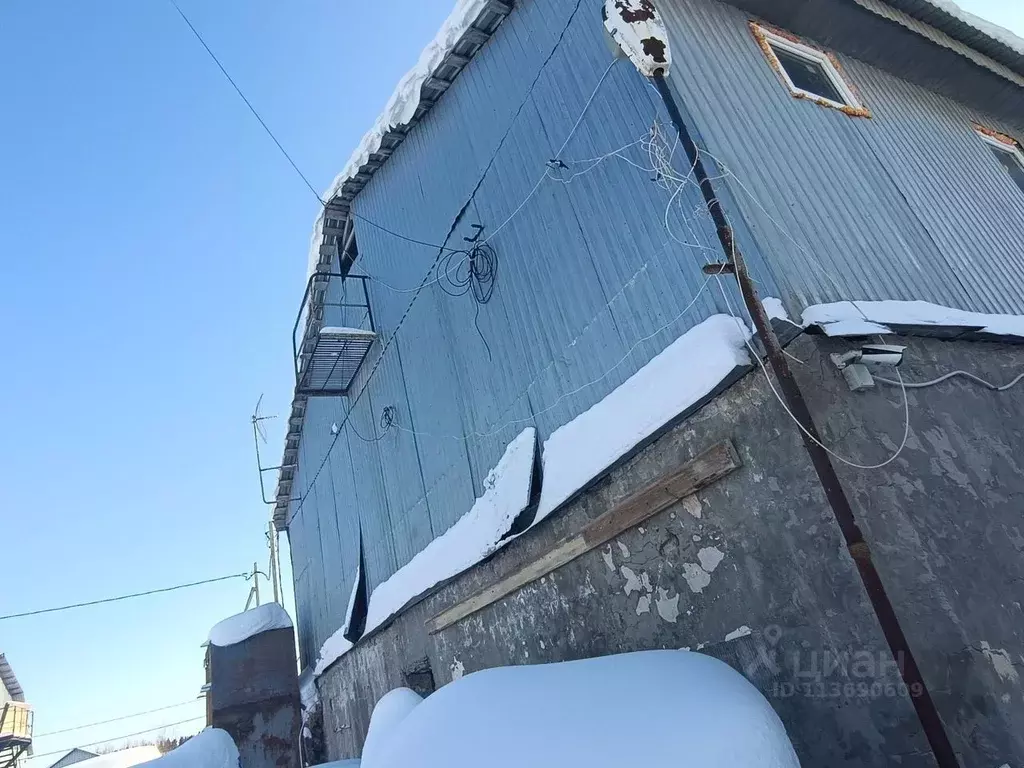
{"points": [[153, 250]]}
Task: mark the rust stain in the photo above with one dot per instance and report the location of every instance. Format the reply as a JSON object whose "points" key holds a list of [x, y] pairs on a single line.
{"points": [[773, 61], [655, 48], [632, 11], [1002, 138]]}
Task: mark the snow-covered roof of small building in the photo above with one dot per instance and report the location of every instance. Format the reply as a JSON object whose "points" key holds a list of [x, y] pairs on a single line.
{"points": [[123, 758], [242, 626]]}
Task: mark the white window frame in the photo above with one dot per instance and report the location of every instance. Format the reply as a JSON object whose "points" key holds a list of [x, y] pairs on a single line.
{"points": [[1013, 150], [815, 56]]}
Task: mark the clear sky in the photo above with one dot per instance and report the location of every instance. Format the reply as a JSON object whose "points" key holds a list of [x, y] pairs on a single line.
{"points": [[152, 256], [152, 253]]}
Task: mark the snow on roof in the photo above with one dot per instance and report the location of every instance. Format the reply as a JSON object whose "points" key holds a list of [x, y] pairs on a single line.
{"points": [[242, 626], [401, 107], [657, 709], [864, 318], [124, 758], [210, 748], [987, 28]]}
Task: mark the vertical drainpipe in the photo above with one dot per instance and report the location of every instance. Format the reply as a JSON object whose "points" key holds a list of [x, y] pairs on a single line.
{"points": [[637, 29]]}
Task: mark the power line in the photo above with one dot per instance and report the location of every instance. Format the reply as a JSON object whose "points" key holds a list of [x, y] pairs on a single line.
{"points": [[117, 719], [118, 738], [124, 597], [280, 146], [252, 109]]}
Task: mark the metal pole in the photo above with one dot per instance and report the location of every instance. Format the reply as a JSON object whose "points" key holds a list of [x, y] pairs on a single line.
{"points": [[256, 582], [927, 712], [275, 581]]}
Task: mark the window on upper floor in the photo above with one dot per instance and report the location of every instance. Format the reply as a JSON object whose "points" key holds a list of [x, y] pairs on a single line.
{"points": [[1008, 152], [807, 72]]}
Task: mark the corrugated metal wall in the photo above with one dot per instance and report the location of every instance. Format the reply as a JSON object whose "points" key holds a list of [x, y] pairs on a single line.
{"points": [[590, 284], [909, 204]]}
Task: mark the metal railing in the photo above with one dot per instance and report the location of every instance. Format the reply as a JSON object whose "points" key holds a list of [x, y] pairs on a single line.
{"points": [[327, 303], [15, 722]]}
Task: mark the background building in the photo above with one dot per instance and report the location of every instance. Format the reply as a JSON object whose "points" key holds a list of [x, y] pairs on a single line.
{"points": [[15, 718]]}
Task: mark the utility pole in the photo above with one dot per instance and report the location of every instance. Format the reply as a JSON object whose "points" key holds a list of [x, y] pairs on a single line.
{"points": [[256, 582], [641, 35], [275, 568]]}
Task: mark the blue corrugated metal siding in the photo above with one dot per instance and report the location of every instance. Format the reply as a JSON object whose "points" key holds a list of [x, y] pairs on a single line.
{"points": [[590, 285], [906, 205]]}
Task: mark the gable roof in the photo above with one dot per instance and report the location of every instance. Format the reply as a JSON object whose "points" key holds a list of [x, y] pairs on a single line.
{"points": [[10, 682]]}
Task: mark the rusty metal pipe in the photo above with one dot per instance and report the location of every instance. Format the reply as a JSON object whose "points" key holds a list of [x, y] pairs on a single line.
{"points": [[885, 613]]}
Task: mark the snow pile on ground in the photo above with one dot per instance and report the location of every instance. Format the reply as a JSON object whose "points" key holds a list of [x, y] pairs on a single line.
{"points": [[1003, 35], [389, 712], [124, 758], [242, 626], [401, 107], [210, 748], [656, 709], [337, 645], [690, 368], [864, 318], [475, 536]]}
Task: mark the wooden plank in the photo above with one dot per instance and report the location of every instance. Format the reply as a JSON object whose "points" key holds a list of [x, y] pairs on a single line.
{"points": [[700, 472]]}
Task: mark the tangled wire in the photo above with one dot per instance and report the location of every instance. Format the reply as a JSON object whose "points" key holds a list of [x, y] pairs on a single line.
{"points": [[473, 271]]}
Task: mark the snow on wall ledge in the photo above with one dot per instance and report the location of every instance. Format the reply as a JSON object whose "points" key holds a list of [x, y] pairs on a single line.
{"points": [[401, 107], [475, 536], [689, 369], [865, 318], [242, 626], [337, 645]]}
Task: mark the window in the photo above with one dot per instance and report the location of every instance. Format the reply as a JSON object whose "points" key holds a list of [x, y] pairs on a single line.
{"points": [[1008, 153], [808, 72]]}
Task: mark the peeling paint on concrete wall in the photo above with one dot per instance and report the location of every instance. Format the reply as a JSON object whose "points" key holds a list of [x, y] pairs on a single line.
{"points": [[778, 598]]}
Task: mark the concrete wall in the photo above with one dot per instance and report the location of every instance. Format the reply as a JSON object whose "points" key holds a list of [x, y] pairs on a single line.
{"points": [[760, 551]]}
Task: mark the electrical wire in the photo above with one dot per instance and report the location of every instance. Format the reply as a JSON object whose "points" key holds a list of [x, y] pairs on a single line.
{"points": [[662, 161], [118, 738], [241, 95], [280, 146], [838, 457], [116, 719], [123, 597], [950, 375]]}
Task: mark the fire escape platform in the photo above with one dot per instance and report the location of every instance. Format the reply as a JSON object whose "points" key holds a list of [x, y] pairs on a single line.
{"points": [[333, 358]]}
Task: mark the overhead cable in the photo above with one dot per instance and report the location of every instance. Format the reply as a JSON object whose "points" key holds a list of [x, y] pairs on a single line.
{"points": [[117, 719], [118, 738], [123, 597]]}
